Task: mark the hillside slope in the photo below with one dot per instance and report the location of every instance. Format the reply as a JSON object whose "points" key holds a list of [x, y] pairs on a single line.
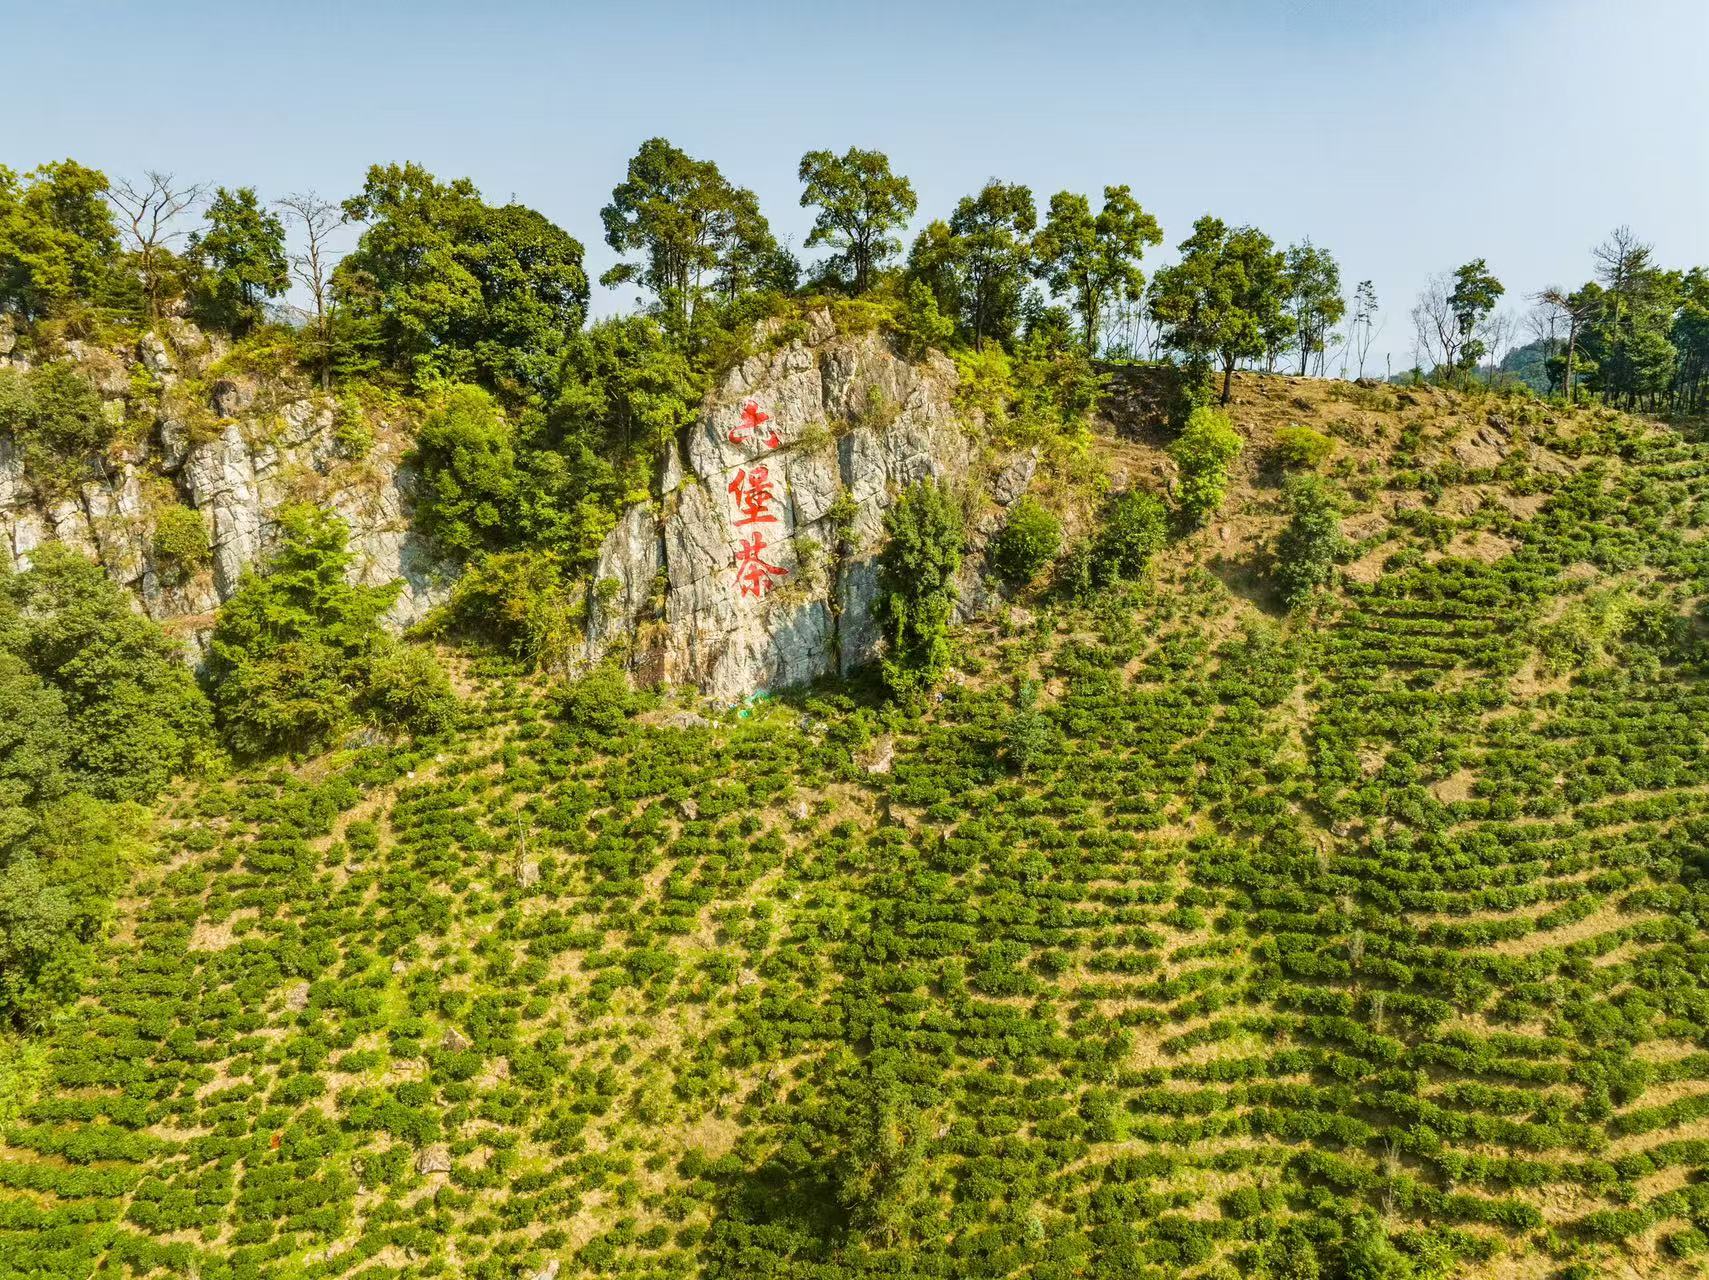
{"points": [[1362, 942]]}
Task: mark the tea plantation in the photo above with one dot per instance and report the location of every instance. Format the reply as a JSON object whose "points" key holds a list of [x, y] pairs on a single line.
{"points": [[1180, 937]]}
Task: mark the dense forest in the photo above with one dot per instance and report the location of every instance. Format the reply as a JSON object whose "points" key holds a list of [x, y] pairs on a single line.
{"points": [[1297, 873]]}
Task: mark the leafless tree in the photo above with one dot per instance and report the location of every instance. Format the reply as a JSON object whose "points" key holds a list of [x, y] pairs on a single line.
{"points": [[1362, 329], [1572, 310], [312, 265], [1435, 325], [1543, 323], [149, 213], [1497, 337]]}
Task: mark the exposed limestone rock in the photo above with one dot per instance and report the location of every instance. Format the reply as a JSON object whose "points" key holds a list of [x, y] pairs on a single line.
{"points": [[830, 422], [257, 459], [805, 423]]}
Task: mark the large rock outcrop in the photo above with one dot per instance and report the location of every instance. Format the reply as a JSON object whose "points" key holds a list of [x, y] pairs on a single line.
{"points": [[756, 566], [235, 454]]}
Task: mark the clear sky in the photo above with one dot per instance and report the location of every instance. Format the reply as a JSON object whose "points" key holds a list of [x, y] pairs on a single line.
{"points": [[1404, 137]]}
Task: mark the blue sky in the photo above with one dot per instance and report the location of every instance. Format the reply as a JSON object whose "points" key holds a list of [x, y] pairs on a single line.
{"points": [[1405, 137]]}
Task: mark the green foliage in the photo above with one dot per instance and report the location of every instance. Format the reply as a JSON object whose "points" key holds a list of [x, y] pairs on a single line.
{"points": [[58, 245], [180, 540], [598, 705], [1300, 448], [976, 264], [468, 497], [1311, 282], [521, 602], [55, 414], [290, 655], [1031, 738], [135, 716], [1223, 299], [1094, 260], [922, 552], [861, 202], [240, 262], [1203, 455], [1029, 539], [445, 286], [96, 705], [697, 233], [1475, 293], [919, 326], [1043, 391], [1134, 529], [407, 688], [1311, 544], [35, 923]]}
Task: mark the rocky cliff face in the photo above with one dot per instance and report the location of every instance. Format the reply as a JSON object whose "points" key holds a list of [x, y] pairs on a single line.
{"points": [[756, 567], [234, 455]]}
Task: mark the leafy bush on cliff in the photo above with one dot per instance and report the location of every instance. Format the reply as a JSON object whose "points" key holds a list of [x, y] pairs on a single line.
{"points": [[1203, 453], [924, 543], [298, 648], [1030, 538]]}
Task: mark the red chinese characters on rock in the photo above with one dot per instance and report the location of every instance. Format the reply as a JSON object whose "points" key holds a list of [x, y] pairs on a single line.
{"points": [[754, 576], [752, 493], [748, 429]]}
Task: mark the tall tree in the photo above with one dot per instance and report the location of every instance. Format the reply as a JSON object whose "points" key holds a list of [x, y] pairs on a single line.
{"points": [[995, 227], [57, 239], [1573, 310], [1363, 330], [289, 655], [861, 203], [689, 223], [1315, 303], [1222, 298], [1472, 301], [317, 220], [150, 213], [976, 264], [917, 590], [1094, 260], [1690, 335], [1629, 337], [1449, 317], [443, 284], [240, 260]]}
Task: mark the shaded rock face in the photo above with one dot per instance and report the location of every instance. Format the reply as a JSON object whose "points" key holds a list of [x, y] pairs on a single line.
{"points": [[236, 475], [678, 593]]}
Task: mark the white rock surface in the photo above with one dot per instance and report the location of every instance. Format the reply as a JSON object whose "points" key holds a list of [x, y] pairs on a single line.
{"points": [[825, 416], [236, 475]]}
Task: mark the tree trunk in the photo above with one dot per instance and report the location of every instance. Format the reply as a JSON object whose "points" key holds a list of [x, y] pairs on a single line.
{"points": [[1227, 378]]}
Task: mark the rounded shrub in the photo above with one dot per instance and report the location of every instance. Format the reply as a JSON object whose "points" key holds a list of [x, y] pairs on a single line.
{"points": [[1031, 537]]}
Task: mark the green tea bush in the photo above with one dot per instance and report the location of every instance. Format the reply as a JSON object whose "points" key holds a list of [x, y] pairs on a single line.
{"points": [[1029, 539]]}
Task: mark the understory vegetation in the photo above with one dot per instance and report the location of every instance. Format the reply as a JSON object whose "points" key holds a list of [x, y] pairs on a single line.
{"points": [[1176, 939]]}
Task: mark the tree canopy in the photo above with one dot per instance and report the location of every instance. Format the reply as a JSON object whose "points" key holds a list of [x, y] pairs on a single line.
{"points": [[861, 205], [241, 261], [443, 285], [1094, 259], [1223, 297]]}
